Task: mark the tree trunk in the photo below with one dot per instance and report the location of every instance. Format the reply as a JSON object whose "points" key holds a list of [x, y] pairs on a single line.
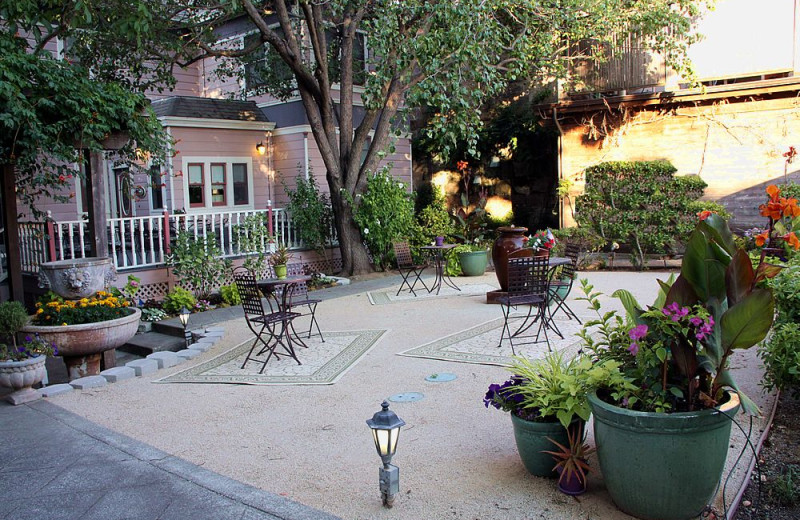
{"points": [[355, 259]]}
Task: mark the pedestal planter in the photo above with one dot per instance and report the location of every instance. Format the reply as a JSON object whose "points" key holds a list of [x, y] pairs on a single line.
{"points": [[81, 345], [473, 263], [509, 239], [532, 440], [660, 466], [20, 376], [75, 279]]}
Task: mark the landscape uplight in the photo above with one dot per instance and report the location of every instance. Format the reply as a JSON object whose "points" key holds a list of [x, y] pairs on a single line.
{"points": [[385, 426]]}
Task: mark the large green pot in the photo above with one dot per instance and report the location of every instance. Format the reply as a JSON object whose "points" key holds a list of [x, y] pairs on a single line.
{"points": [[532, 440], [662, 466], [473, 263]]}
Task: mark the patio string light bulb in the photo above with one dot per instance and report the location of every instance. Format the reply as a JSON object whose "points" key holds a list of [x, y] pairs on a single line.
{"points": [[385, 426], [184, 317]]}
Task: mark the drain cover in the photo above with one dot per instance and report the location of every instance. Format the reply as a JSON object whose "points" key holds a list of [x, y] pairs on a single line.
{"points": [[406, 397], [442, 377]]}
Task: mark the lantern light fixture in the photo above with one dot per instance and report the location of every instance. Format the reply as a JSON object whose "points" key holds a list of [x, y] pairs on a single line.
{"points": [[385, 426], [261, 148], [183, 315]]}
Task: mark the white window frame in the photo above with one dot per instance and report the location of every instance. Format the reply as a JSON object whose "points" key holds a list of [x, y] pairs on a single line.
{"points": [[207, 203]]}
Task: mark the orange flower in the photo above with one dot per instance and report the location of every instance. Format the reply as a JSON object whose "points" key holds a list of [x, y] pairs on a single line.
{"points": [[790, 208], [704, 214], [792, 240], [761, 238]]}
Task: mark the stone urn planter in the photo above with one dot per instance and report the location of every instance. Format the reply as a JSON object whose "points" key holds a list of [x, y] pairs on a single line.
{"points": [[81, 345], [20, 376], [75, 279]]}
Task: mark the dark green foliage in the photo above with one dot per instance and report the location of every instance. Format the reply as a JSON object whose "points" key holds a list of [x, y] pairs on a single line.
{"points": [[312, 213], [197, 262], [781, 352], [177, 299], [640, 204], [13, 317], [434, 221], [385, 213]]}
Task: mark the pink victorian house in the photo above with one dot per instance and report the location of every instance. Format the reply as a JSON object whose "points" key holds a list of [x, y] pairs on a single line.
{"points": [[235, 154]]}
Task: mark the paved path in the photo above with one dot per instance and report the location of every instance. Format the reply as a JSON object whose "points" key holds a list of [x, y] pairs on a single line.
{"points": [[56, 465]]}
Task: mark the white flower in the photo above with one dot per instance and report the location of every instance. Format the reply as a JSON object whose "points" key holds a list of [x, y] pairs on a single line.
{"points": [[377, 221], [366, 231]]}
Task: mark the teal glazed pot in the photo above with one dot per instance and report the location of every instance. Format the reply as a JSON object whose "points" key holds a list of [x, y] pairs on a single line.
{"points": [[662, 466], [532, 440], [473, 263]]}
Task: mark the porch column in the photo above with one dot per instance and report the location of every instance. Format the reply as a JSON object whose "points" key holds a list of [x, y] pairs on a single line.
{"points": [[95, 185], [10, 219]]}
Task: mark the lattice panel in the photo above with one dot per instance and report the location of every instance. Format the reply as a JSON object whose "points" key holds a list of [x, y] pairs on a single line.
{"points": [[153, 291], [328, 267]]}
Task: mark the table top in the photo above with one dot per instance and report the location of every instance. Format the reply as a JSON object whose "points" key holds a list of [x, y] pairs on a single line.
{"points": [[443, 246], [270, 282], [555, 261]]}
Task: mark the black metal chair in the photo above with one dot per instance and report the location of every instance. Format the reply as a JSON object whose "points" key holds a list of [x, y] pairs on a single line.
{"points": [[407, 267], [527, 286], [261, 322], [561, 283], [298, 296]]}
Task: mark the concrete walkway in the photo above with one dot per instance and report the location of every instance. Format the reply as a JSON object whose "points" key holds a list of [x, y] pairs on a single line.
{"points": [[238, 451]]}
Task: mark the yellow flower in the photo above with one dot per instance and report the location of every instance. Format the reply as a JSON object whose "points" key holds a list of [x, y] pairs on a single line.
{"points": [[39, 310], [64, 324]]}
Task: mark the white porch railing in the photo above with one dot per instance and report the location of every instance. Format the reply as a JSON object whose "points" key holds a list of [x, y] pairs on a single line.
{"points": [[140, 242]]}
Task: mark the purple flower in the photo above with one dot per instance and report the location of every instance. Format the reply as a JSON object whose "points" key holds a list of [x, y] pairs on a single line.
{"points": [[696, 321], [638, 332], [28, 339], [634, 348]]}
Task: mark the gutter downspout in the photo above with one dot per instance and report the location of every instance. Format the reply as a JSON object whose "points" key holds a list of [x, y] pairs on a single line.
{"points": [[560, 166]]}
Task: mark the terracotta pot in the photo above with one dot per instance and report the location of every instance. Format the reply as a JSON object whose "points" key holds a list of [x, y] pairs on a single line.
{"points": [[508, 239], [81, 345], [20, 376]]}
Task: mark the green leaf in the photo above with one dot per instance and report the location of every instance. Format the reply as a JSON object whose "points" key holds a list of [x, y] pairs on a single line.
{"points": [[749, 321]]}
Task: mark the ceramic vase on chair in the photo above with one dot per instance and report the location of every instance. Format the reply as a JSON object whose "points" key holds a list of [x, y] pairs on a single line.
{"points": [[509, 239]]}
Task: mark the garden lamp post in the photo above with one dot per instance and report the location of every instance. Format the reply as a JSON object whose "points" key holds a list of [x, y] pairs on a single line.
{"points": [[385, 427], [184, 316]]}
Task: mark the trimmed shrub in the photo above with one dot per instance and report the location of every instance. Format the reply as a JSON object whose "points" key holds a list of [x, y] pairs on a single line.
{"points": [[640, 204]]}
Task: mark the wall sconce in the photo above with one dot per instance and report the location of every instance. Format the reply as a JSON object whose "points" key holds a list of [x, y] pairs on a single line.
{"points": [[385, 427], [184, 317], [261, 148]]}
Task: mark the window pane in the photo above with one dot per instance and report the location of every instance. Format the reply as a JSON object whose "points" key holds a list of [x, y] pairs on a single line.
{"points": [[217, 173], [195, 174], [240, 184], [156, 195], [195, 195], [264, 66]]}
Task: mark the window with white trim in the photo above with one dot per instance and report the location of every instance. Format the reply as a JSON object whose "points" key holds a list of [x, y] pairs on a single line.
{"points": [[218, 182]]}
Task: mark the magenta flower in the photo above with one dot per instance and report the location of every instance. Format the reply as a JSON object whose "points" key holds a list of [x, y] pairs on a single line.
{"points": [[638, 332], [634, 348]]}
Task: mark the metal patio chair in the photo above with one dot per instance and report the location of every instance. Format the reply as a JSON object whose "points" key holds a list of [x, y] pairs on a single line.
{"points": [[407, 267], [527, 286], [298, 297], [273, 323], [559, 288]]}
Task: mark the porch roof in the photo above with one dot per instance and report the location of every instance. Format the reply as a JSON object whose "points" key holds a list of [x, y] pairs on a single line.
{"points": [[208, 108]]}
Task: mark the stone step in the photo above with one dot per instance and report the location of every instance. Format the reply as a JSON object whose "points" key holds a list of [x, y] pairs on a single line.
{"points": [[145, 344]]}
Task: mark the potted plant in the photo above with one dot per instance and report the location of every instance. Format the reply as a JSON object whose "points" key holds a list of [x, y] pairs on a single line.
{"points": [[545, 397], [662, 438], [571, 461], [279, 258], [21, 362], [542, 241]]}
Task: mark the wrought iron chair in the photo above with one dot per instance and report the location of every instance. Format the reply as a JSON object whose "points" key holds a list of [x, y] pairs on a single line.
{"points": [[273, 322], [407, 267], [298, 296], [527, 285], [560, 287]]}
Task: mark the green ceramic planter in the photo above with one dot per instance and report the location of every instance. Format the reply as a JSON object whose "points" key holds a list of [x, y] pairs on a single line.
{"points": [[280, 271], [473, 263], [660, 466], [532, 439]]}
